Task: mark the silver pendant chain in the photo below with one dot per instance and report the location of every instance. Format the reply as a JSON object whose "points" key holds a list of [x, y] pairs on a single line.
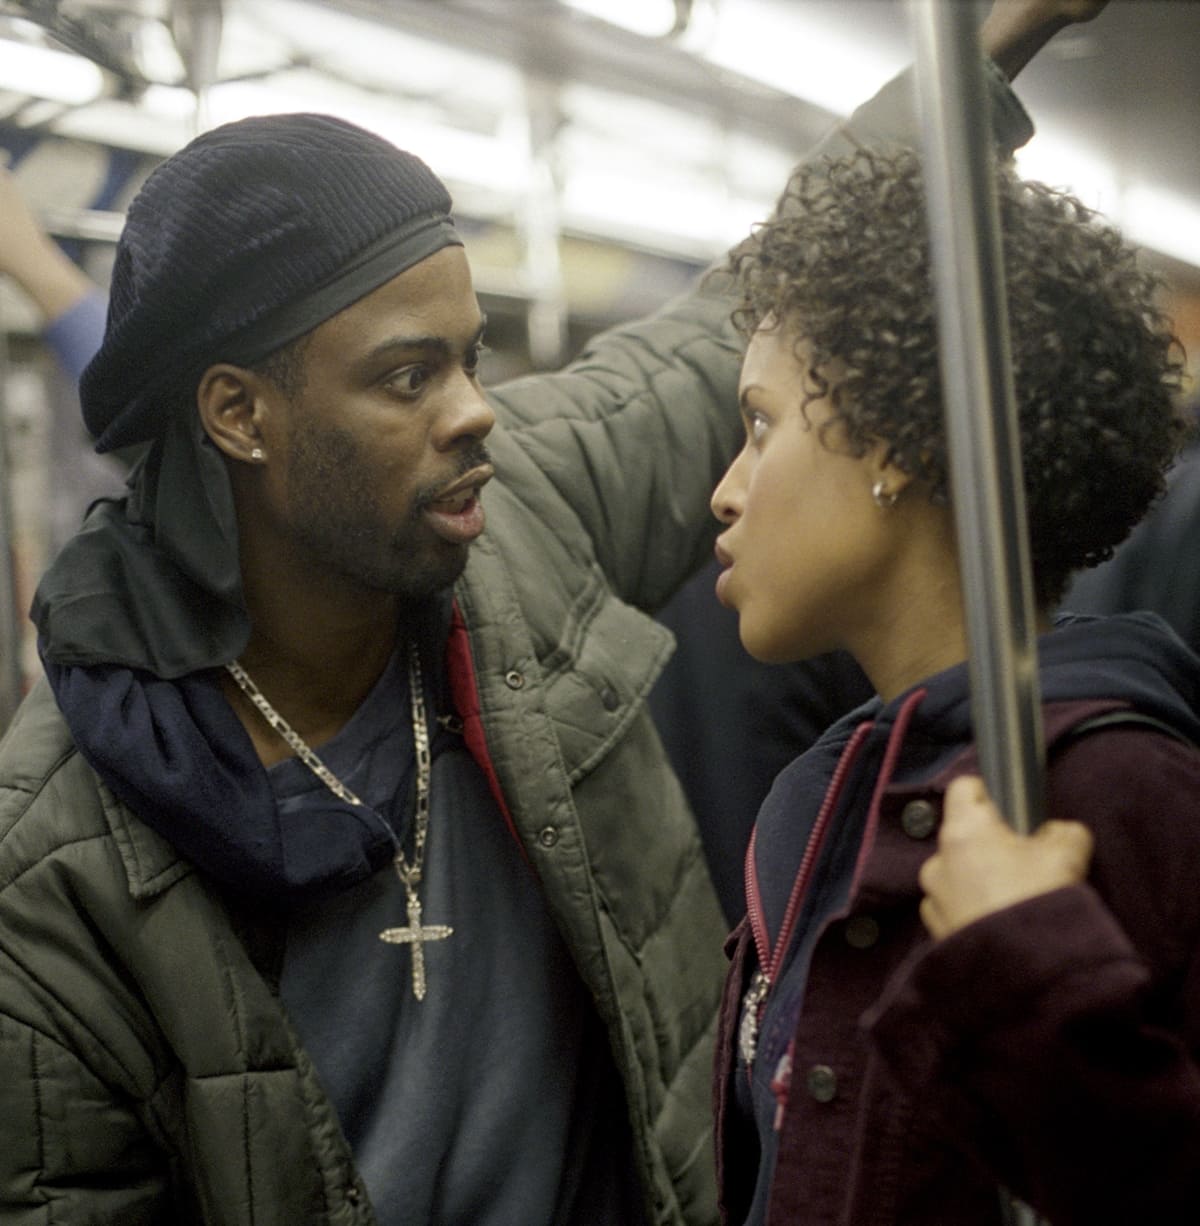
{"points": [[298, 746], [408, 871]]}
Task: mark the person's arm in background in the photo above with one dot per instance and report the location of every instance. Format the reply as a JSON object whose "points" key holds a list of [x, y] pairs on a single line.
{"points": [[73, 309], [1014, 31], [33, 259], [1011, 35], [70, 303]]}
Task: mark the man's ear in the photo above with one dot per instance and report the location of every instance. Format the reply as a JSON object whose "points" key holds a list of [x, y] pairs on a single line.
{"points": [[232, 410]]}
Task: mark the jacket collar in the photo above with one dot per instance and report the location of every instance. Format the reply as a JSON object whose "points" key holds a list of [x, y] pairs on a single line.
{"points": [[151, 863]]}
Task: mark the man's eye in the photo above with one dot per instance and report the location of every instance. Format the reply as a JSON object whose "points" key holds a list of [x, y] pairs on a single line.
{"points": [[409, 380], [473, 357]]}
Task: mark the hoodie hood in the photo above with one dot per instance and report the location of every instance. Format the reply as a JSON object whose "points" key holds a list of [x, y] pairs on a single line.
{"points": [[1131, 658], [176, 754]]}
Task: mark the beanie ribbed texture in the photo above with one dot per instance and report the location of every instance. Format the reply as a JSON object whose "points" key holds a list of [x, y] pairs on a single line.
{"points": [[244, 221]]}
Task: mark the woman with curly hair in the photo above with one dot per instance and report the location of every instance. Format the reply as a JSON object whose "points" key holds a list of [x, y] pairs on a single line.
{"points": [[1044, 1033]]}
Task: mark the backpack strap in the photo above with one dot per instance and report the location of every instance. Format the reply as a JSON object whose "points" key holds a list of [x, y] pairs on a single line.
{"points": [[1116, 719]]}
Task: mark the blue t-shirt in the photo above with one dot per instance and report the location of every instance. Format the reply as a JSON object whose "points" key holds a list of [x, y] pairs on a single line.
{"points": [[495, 1099]]}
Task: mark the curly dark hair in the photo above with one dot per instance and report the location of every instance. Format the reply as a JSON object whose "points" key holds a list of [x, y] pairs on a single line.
{"points": [[844, 266]]}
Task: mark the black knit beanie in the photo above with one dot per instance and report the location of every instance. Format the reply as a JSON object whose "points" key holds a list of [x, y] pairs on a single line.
{"points": [[245, 239]]}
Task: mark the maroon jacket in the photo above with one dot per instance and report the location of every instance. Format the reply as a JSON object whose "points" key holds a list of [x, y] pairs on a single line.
{"points": [[1053, 1046]]}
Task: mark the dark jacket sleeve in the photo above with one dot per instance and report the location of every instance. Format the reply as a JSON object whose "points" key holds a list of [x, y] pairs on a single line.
{"points": [[1059, 1039]]}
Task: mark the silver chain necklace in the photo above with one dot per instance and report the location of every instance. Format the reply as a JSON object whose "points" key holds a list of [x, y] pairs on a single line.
{"points": [[409, 872]]}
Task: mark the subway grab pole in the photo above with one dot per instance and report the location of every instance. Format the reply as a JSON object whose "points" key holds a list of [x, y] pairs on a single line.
{"points": [[986, 486], [10, 617], [981, 417]]}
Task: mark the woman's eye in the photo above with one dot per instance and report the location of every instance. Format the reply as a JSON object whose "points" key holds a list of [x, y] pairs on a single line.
{"points": [[757, 427]]}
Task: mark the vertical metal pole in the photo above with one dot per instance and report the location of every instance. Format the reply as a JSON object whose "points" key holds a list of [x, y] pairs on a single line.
{"points": [[539, 226], [987, 489], [196, 26], [982, 431], [10, 617]]}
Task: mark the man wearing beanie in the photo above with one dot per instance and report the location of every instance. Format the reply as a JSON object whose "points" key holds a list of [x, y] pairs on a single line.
{"points": [[342, 877]]}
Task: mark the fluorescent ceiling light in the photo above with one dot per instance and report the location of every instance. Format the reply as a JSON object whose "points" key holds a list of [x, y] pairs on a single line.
{"points": [[1053, 157], [650, 18], [172, 102], [42, 72], [1147, 215], [156, 53], [801, 53], [1163, 221], [379, 54], [482, 160], [671, 136], [757, 168], [113, 122], [687, 217], [252, 42]]}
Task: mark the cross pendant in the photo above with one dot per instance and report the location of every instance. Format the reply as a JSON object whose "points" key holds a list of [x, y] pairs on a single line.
{"points": [[416, 936]]}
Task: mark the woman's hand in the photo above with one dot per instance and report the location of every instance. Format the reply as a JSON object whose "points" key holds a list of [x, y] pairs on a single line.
{"points": [[982, 865]]}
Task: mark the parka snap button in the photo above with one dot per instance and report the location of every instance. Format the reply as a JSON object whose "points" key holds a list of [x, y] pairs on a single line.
{"points": [[548, 836], [513, 679], [861, 932], [821, 1082], [610, 698], [918, 819]]}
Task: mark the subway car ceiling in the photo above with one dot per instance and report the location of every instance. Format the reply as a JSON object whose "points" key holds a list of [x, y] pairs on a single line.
{"points": [[599, 151]]}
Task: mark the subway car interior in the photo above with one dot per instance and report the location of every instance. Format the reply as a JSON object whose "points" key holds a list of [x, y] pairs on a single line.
{"points": [[600, 154], [416, 808]]}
